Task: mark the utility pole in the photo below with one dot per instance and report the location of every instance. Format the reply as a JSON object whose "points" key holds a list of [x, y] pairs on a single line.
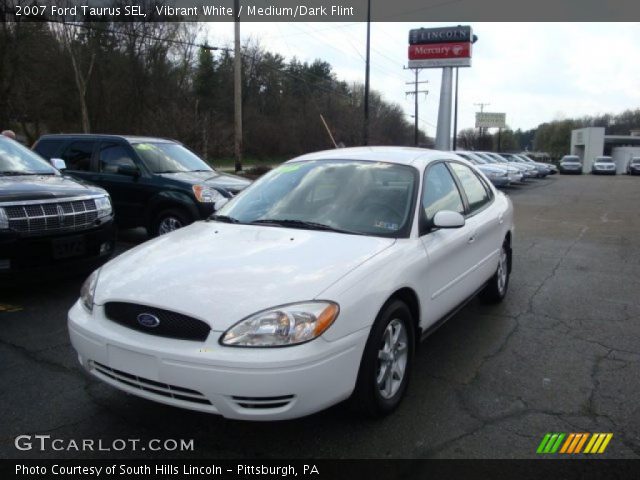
{"points": [[365, 133], [237, 87], [415, 93], [455, 114], [443, 133]]}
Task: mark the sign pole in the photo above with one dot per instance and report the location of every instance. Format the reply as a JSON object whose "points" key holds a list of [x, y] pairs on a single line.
{"points": [[443, 132]]}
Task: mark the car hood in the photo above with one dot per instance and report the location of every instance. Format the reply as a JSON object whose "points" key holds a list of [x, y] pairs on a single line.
{"points": [[232, 183], [221, 273], [43, 187]]}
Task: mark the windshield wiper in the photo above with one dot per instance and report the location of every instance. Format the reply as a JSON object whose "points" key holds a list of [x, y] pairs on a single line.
{"points": [[302, 224], [16, 173], [170, 171], [223, 218]]}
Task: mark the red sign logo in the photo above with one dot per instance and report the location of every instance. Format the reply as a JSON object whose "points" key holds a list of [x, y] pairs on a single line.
{"points": [[439, 50]]}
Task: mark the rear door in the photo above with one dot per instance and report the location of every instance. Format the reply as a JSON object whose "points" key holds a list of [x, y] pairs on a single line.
{"points": [[483, 222], [445, 276]]}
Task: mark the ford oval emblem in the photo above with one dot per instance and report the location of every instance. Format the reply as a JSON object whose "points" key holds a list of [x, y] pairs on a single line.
{"points": [[148, 320]]}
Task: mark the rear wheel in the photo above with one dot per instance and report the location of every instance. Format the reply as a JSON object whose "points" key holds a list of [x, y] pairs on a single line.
{"points": [[496, 289], [386, 362], [168, 221]]}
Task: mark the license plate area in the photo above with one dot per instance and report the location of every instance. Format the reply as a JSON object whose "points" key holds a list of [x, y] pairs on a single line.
{"points": [[68, 247]]}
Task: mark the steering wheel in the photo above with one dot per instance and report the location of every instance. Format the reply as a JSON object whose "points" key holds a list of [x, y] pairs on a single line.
{"points": [[379, 207]]}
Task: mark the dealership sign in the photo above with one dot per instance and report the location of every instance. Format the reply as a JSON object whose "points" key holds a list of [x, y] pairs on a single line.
{"points": [[491, 120], [421, 36], [440, 47]]}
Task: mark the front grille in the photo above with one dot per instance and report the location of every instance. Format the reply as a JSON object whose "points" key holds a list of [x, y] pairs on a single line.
{"points": [[163, 389], [38, 218], [170, 324], [262, 403]]}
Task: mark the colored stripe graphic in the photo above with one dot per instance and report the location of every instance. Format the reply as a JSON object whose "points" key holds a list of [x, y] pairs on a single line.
{"points": [[572, 443]]}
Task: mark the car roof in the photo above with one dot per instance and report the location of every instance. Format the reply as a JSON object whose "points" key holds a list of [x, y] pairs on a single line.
{"points": [[400, 155], [128, 138]]}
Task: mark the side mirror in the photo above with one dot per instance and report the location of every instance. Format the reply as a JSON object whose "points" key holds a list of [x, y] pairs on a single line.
{"points": [[58, 163], [221, 202], [130, 170], [448, 219]]}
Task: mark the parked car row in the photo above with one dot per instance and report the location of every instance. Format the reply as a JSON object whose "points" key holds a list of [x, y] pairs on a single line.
{"points": [[602, 165], [504, 169], [62, 213]]}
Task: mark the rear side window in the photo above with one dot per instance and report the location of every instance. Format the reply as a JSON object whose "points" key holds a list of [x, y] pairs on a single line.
{"points": [[47, 148], [473, 187], [77, 156], [112, 156]]}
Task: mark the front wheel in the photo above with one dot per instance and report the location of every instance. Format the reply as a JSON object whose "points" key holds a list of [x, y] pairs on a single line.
{"points": [[496, 289], [168, 221], [386, 362]]}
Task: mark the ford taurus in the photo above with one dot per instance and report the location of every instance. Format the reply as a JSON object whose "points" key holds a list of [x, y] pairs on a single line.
{"points": [[312, 286]]}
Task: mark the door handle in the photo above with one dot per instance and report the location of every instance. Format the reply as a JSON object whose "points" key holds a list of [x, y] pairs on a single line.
{"points": [[501, 218]]}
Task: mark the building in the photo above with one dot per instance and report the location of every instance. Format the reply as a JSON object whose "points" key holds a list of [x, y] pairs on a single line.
{"points": [[591, 142]]}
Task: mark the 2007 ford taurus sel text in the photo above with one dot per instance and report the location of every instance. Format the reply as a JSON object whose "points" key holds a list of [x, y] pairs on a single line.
{"points": [[310, 287]]}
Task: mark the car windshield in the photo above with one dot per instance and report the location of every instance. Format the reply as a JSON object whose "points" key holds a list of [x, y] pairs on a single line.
{"points": [[571, 159], [349, 196], [16, 159], [635, 161], [169, 158], [604, 159]]}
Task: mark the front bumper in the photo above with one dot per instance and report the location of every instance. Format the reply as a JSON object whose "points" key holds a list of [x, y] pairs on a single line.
{"points": [[516, 177], [32, 256], [604, 171], [239, 383], [499, 181]]}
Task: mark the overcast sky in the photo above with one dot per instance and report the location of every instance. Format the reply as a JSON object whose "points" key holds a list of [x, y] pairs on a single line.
{"points": [[534, 72]]}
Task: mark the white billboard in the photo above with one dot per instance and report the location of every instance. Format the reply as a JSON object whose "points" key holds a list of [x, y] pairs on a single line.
{"points": [[491, 120]]}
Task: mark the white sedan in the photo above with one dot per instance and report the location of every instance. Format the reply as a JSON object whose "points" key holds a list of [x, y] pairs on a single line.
{"points": [[311, 287]]}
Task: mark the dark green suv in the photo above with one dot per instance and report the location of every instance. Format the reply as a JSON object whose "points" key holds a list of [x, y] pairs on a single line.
{"points": [[155, 183]]}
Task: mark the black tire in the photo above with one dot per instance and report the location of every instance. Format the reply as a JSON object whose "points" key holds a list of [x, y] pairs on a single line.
{"points": [[367, 398], [496, 289], [176, 217]]}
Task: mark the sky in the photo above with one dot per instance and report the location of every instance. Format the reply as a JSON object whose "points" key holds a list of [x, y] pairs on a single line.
{"points": [[533, 72]]}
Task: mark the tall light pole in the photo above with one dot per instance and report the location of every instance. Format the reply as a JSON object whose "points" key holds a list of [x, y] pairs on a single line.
{"points": [[365, 133], [237, 87]]}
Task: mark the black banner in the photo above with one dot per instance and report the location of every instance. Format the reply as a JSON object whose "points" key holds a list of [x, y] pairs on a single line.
{"points": [[318, 10], [321, 469]]}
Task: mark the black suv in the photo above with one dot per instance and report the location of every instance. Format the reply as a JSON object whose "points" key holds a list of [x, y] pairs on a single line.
{"points": [[48, 222], [154, 183]]}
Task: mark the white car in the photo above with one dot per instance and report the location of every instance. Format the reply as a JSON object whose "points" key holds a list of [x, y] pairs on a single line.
{"points": [[312, 286], [604, 165]]}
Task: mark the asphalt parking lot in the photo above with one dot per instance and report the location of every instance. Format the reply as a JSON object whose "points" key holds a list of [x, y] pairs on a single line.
{"points": [[561, 354]]}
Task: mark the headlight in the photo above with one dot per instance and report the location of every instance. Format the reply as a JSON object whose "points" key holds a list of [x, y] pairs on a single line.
{"points": [[103, 204], [282, 326], [4, 221], [206, 194], [88, 290]]}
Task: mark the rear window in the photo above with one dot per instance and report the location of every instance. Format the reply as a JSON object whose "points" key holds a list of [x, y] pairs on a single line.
{"points": [[47, 148]]}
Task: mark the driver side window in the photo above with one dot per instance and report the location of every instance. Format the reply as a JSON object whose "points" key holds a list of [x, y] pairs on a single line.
{"points": [[440, 192]]}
